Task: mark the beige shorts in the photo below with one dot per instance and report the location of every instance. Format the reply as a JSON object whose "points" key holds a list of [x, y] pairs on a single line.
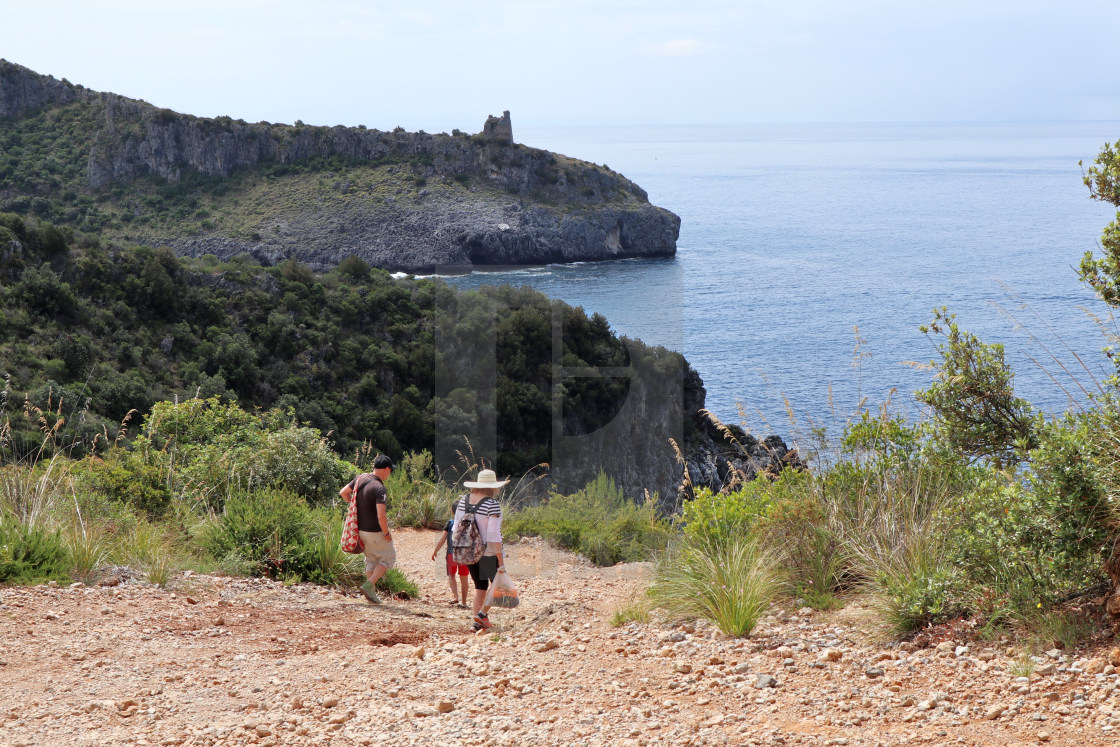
{"points": [[378, 550]]}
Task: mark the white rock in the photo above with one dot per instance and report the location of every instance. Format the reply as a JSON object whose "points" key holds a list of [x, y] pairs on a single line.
{"points": [[994, 711]]}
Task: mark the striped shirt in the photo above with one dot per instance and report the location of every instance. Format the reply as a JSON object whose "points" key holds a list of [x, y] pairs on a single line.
{"points": [[489, 518]]}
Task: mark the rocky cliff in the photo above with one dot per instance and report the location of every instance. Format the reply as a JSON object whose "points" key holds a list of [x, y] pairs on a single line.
{"points": [[662, 436], [399, 200]]}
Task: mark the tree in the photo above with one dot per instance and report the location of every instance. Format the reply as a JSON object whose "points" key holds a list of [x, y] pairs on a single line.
{"points": [[1103, 275], [42, 290], [973, 396], [1103, 181]]}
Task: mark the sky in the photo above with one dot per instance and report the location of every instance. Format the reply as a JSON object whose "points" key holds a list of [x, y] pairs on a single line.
{"points": [[442, 64]]}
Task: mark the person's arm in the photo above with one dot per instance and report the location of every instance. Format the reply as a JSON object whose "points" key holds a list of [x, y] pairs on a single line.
{"points": [[494, 538], [346, 492], [442, 539], [383, 520]]}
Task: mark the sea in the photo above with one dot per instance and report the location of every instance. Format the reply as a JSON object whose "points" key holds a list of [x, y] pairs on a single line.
{"points": [[810, 256]]}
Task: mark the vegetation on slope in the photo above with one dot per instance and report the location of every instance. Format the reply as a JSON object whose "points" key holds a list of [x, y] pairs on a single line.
{"points": [[93, 333]]}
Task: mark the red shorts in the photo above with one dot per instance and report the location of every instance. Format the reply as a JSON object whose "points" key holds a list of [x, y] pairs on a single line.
{"points": [[453, 567]]}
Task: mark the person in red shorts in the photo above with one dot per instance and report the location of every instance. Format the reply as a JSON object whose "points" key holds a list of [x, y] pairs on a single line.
{"points": [[453, 568]]}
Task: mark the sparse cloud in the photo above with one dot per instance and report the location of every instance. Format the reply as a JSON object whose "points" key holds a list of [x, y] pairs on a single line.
{"points": [[677, 48]]}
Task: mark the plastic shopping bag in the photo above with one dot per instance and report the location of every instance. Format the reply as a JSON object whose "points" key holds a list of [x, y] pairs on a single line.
{"points": [[502, 592]]}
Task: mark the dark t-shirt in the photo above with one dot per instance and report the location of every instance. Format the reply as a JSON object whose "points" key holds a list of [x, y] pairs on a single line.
{"points": [[449, 528], [369, 491]]}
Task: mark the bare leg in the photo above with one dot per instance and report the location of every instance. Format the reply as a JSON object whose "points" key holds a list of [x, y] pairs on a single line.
{"points": [[479, 598], [369, 588], [451, 582], [463, 584], [376, 574]]}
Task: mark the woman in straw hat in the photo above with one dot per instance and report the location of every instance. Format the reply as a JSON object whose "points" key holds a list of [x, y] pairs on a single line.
{"points": [[488, 514]]}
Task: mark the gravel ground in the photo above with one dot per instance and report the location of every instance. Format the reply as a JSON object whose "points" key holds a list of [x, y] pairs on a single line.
{"points": [[215, 660]]}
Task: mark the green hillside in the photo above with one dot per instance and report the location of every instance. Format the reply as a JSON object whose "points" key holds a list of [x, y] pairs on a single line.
{"points": [[92, 331]]}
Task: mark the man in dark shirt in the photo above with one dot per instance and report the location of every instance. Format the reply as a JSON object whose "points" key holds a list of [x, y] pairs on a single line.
{"points": [[370, 495]]}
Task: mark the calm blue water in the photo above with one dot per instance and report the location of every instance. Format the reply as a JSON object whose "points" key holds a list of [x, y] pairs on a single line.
{"points": [[792, 236]]}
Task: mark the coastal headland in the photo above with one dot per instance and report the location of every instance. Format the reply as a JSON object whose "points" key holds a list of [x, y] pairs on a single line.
{"points": [[400, 201]]}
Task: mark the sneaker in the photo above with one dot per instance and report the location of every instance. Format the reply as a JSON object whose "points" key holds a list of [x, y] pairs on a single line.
{"points": [[482, 621], [369, 593], [476, 627]]}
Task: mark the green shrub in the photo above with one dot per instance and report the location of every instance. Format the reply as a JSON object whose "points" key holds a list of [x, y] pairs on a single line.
{"points": [[42, 290], [973, 396], [636, 611], [416, 498], [220, 449], [1069, 484], [299, 460], [730, 581], [31, 554], [354, 266], [818, 564], [128, 477], [87, 545], [719, 516], [1025, 542], [149, 547], [265, 528], [597, 522], [320, 558], [917, 592], [397, 585]]}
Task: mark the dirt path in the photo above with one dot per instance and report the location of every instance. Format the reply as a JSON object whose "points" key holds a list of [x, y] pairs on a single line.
{"points": [[238, 661]]}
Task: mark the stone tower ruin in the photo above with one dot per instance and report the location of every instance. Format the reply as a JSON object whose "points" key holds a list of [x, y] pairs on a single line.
{"points": [[498, 130]]}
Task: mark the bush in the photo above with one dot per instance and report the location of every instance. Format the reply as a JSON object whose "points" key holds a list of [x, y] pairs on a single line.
{"points": [[127, 477], [354, 266], [220, 449], [1033, 538], [397, 585], [416, 498], [265, 528], [299, 460], [719, 516], [150, 548], [916, 589], [272, 532], [597, 522], [320, 558], [87, 547], [730, 581], [30, 554], [816, 561], [42, 290], [973, 396]]}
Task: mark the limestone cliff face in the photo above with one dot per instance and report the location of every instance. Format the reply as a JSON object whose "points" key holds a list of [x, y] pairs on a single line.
{"points": [[513, 204], [22, 90]]}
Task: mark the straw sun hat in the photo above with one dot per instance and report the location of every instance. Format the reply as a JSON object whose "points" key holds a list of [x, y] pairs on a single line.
{"points": [[486, 479]]}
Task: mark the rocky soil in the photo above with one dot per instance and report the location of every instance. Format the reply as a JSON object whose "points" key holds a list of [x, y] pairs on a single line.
{"points": [[221, 661]]}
